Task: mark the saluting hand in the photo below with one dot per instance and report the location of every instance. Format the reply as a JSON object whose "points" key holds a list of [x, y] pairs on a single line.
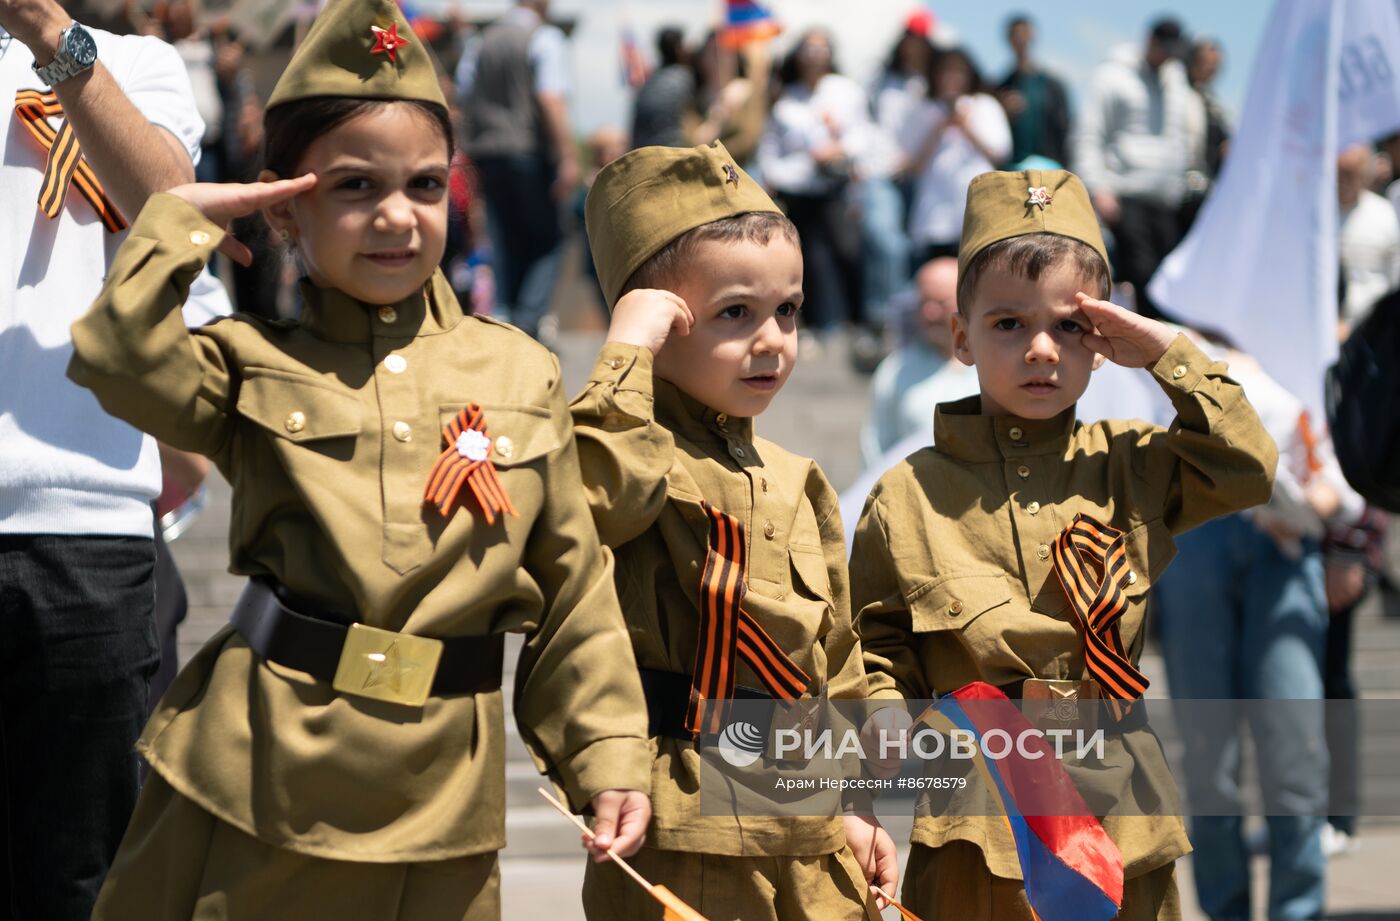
{"points": [[1123, 337], [646, 316], [620, 820], [222, 202]]}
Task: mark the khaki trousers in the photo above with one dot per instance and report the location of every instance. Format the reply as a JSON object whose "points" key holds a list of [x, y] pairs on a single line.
{"points": [[179, 863], [952, 883], [826, 888]]}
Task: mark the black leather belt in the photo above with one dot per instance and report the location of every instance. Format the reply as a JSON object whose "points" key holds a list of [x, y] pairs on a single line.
{"points": [[397, 667], [668, 695], [1136, 717]]}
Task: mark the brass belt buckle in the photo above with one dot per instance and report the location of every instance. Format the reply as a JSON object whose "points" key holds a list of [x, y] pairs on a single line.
{"points": [[1055, 704], [384, 665]]}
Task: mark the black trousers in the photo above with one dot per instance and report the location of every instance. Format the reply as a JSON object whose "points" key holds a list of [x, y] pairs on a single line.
{"points": [[1146, 231], [77, 646], [832, 289], [1343, 723]]}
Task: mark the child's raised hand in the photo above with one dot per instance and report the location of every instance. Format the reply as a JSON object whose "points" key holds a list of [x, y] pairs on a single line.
{"points": [[620, 820], [1123, 337], [222, 202], [646, 316]]}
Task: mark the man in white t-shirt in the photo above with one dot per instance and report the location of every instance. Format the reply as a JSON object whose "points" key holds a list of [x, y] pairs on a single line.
{"points": [[77, 639]]}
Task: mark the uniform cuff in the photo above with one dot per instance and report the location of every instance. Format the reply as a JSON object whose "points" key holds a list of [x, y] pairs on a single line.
{"points": [[1182, 366], [627, 366], [177, 224], [616, 763]]}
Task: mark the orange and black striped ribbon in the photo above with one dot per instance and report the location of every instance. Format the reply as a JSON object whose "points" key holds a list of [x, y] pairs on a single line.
{"points": [[66, 165], [1091, 560], [729, 634], [454, 470]]}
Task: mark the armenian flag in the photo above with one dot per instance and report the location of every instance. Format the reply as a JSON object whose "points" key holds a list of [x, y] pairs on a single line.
{"points": [[747, 21]]}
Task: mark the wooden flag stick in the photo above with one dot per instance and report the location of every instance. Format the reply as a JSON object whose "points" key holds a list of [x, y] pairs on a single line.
{"points": [[898, 907], [583, 827]]}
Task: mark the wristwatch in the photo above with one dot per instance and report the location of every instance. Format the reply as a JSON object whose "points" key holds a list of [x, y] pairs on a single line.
{"points": [[76, 53]]}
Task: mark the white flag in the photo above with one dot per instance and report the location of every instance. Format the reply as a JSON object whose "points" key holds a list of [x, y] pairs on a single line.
{"points": [[1260, 263]]}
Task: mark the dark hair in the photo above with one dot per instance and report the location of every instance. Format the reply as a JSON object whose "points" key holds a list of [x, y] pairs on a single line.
{"points": [[670, 46], [1167, 32], [892, 61], [975, 83], [1019, 19], [667, 266], [290, 128], [1029, 256], [789, 73]]}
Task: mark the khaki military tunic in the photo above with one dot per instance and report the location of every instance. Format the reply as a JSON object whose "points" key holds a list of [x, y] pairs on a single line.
{"points": [[952, 576], [327, 430], [651, 455]]}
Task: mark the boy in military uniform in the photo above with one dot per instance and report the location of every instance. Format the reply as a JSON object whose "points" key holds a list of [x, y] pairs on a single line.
{"points": [[961, 552], [704, 278], [405, 492]]}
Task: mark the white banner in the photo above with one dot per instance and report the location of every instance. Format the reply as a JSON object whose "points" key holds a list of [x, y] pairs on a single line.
{"points": [[1260, 264]]}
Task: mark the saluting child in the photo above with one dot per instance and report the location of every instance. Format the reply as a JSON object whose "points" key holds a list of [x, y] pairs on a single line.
{"points": [[704, 278], [405, 491], [963, 549]]}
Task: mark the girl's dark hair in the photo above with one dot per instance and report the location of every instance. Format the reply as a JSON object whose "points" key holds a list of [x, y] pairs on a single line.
{"points": [[892, 59], [1029, 256], [949, 56], [290, 128], [789, 72]]}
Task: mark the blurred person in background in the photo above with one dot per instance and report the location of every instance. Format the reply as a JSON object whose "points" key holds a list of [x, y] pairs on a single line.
{"points": [[1203, 65], [957, 133], [921, 372], [1036, 103], [180, 22], [731, 96], [810, 152], [1391, 148], [662, 102], [513, 86], [1369, 237], [1243, 616], [1139, 135], [77, 558]]}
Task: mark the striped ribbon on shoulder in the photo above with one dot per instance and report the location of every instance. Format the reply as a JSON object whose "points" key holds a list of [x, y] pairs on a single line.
{"points": [[66, 165], [1091, 561], [729, 634], [465, 461]]}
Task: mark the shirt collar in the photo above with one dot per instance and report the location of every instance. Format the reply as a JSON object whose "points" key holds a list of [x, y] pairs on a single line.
{"points": [[693, 420], [335, 316], [961, 431]]}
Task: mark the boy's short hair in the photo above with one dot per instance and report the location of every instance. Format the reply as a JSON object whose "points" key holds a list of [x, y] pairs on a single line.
{"points": [[667, 265], [1029, 256]]}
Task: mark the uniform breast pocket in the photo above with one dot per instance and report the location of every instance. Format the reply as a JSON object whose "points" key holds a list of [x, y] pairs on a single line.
{"points": [[966, 603], [811, 582], [521, 437], [302, 411]]}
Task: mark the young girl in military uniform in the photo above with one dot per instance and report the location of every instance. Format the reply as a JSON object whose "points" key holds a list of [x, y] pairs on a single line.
{"points": [[405, 491]]}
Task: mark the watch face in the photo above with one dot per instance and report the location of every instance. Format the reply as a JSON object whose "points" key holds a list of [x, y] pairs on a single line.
{"points": [[81, 46]]}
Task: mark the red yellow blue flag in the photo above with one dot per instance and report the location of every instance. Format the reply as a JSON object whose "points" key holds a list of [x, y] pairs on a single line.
{"points": [[1072, 869]]}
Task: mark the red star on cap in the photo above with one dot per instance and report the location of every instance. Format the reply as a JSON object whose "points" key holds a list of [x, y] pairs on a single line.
{"points": [[387, 41]]}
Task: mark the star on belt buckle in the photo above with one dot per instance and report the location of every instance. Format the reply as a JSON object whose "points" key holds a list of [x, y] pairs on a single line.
{"points": [[1056, 704], [384, 665]]}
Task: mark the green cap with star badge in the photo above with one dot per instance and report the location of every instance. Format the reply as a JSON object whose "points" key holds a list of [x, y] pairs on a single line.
{"points": [[1005, 205], [645, 199], [363, 49]]}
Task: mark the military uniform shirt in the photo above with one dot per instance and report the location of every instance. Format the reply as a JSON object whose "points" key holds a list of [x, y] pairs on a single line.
{"points": [[327, 430], [953, 579], [651, 455]]}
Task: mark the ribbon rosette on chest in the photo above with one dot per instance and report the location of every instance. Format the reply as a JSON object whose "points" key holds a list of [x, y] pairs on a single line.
{"points": [[465, 461]]}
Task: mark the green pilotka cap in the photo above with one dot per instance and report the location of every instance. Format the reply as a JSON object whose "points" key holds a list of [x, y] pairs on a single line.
{"points": [[363, 49], [1005, 205], [645, 199]]}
